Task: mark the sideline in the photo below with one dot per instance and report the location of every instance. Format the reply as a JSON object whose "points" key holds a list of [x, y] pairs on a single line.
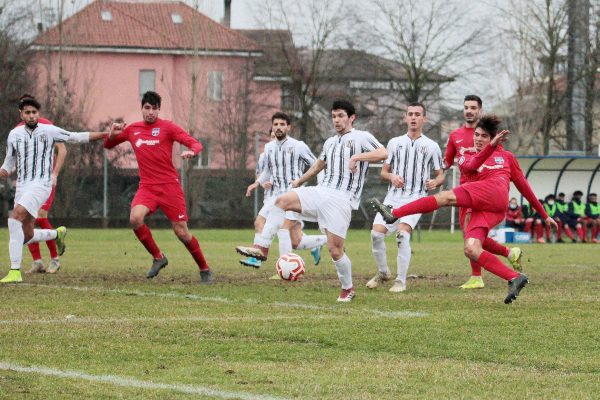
{"points": [[133, 382]]}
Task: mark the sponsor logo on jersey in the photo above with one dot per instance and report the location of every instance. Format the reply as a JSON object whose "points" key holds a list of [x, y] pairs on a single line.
{"points": [[350, 143], [155, 131], [499, 160], [149, 142], [136, 133], [461, 160], [43, 138]]}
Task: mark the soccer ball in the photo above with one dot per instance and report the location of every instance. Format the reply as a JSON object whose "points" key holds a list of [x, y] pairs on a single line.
{"points": [[290, 267]]}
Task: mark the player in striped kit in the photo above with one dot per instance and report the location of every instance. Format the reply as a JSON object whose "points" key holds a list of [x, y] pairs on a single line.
{"points": [[285, 160], [411, 158], [345, 159], [30, 148]]}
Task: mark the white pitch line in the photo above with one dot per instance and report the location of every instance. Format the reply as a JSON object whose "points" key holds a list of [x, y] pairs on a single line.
{"points": [[172, 295], [128, 382]]}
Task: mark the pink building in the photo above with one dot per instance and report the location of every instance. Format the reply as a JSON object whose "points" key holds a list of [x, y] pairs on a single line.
{"points": [[111, 52]]}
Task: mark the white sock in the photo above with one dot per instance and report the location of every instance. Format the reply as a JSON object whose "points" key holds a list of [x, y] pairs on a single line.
{"points": [[272, 225], [311, 241], [379, 251], [404, 253], [15, 243], [285, 241], [256, 238], [344, 271], [42, 235]]}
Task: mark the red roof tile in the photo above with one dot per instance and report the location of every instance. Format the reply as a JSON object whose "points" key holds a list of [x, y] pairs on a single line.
{"points": [[146, 25]]}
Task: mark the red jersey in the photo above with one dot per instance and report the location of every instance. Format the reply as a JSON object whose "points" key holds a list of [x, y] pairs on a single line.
{"points": [[459, 141], [153, 148], [499, 166]]}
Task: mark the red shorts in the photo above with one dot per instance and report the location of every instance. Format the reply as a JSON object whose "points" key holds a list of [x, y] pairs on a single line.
{"points": [[483, 219], [168, 197], [48, 204], [490, 195], [462, 215]]}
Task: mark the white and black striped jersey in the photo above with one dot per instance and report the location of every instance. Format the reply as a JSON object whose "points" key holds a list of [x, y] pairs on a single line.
{"points": [[260, 167], [413, 161], [336, 153], [284, 162], [32, 151]]}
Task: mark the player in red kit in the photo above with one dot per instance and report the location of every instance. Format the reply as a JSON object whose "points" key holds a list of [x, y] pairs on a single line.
{"points": [[490, 172], [152, 142], [459, 141]]}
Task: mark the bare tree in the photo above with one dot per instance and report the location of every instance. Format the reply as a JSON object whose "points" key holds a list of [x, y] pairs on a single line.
{"points": [[427, 40], [537, 32]]}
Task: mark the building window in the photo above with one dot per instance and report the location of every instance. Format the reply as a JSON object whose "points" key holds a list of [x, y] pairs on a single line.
{"points": [[204, 155], [215, 85], [147, 81], [289, 100]]}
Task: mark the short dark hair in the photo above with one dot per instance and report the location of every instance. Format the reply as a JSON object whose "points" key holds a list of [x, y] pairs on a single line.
{"points": [[550, 197], [283, 116], [345, 105], [151, 98], [489, 123], [592, 194], [28, 100], [417, 104], [561, 194], [473, 97], [578, 193]]}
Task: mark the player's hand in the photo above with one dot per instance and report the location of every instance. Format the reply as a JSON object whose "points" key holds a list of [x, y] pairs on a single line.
{"points": [[431, 184], [251, 188], [295, 184], [187, 154], [500, 137], [267, 185], [551, 222], [115, 129], [397, 181], [3, 173], [352, 165]]}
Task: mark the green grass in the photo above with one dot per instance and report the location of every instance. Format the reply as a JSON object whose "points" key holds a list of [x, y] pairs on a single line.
{"points": [[246, 334]]}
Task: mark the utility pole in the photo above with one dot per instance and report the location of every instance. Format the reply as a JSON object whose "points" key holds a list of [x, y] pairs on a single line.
{"points": [[577, 59]]}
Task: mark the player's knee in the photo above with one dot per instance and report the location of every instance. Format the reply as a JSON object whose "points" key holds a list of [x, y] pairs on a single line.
{"points": [[471, 250], [281, 202], [136, 221], [377, 237]]}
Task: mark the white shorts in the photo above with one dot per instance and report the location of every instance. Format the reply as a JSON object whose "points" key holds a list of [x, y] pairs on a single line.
{"points": [[328, 207], [32, 196], [411, 220], [268, 205]]}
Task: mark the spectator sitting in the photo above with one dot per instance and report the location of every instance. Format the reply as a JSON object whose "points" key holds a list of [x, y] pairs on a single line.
{"points": [[563, 214], [551, 208], [533, 223], [514, 218], [592, 213], [576, 214]]}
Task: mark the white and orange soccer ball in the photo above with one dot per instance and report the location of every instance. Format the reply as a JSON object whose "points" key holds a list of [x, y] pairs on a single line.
{"points": [[290, 267]]}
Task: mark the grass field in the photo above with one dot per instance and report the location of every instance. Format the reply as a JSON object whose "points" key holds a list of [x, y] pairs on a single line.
{"points": [[99, 329]]}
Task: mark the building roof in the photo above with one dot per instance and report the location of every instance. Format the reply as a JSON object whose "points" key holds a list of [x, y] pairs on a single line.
{"points": [[351, 64], [157, 25], [280, 57]]}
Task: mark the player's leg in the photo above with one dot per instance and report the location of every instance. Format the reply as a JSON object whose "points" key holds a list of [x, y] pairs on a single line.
{"points": [[302, 241], [289, 228], [259, 223], [19, 222], [343, 266], [423, 205], [475, 281], [37, 264], [193, 246], [137, 217], [43, 222], [378, 248], [286, 202], [404, 253]]}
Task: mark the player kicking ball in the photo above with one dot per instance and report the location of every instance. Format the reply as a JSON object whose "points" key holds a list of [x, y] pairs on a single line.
{"points": [[492, 169], [30, 149]]}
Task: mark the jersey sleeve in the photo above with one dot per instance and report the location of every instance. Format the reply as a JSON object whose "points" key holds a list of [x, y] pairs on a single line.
{"points": [[516, 175], [438, 163], [11, 155], [181, 136], [391, 153], [260, 164], [61, 135], [369, 143], [109, 142], [306, 155], [323, 155], [450, 153]]}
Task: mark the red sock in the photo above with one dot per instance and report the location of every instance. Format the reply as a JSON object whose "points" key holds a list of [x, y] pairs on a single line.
{"points": [[475, 268], [34, 249], [594, 232], [495, 248], [194, 248], [539, 231], [421, 206], [44, 223], [145, 236], [493, 264], [547, 233], [581, 233], [559, 230], [569, 232], [265, 250], [528, 223]]}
